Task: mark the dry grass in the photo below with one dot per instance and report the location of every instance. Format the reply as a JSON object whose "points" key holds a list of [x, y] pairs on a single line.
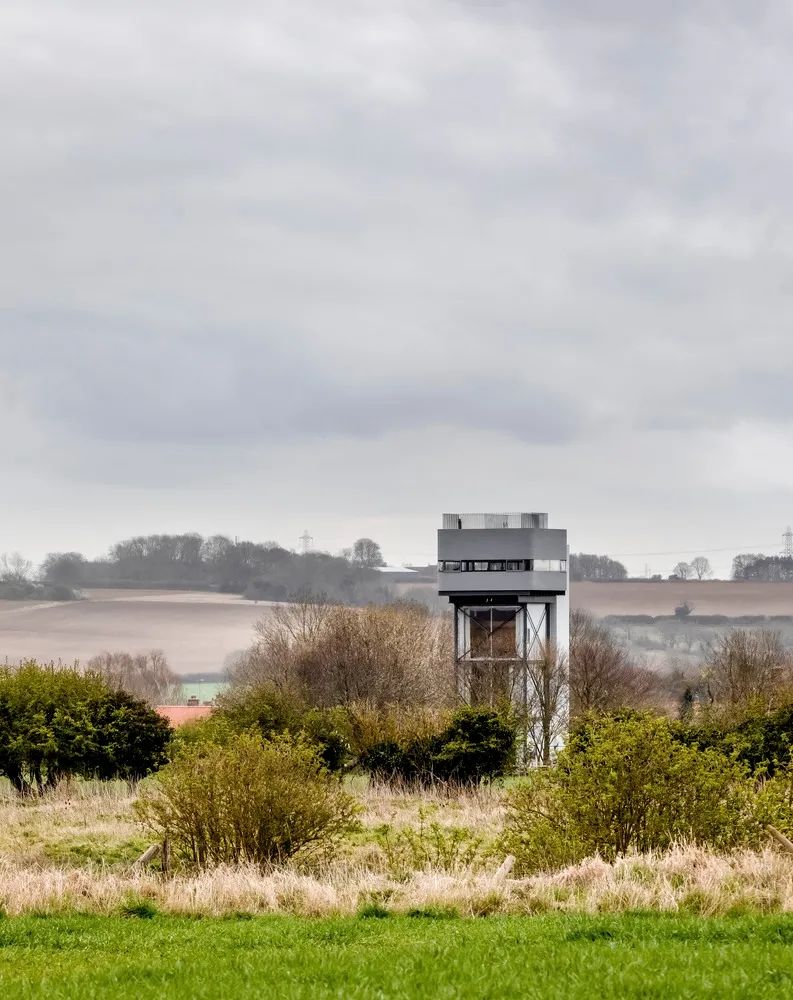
{"points": [[685, 879], [80, 823], [73, 852], [481, 810]]}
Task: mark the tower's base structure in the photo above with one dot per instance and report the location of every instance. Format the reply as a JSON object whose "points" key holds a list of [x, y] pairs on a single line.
{"points": [[506, 576]]}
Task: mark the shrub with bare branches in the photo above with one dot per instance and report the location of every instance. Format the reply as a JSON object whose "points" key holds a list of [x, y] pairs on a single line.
{"points": [[334, 655], [748, 670], [143, 675], [602, 675]]}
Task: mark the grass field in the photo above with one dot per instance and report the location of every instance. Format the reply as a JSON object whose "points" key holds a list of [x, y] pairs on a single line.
{"points": [[708, 597], [424, 955], [73, 853]]}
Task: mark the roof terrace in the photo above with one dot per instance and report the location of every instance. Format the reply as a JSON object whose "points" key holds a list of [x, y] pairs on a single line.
{"points": [[521, 520]]}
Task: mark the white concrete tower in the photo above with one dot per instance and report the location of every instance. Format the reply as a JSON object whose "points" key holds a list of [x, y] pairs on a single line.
{"points": [[506, 576]]}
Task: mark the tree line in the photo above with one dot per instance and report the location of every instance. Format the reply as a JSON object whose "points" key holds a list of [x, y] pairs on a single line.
{"points": [[266, 571], [755, 566]]}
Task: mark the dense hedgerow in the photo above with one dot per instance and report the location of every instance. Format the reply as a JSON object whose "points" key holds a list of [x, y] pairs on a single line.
{"points": [[58, 722], [273, 711], [475, 744]]}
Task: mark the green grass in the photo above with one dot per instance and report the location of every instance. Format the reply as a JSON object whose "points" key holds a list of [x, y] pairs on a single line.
{"points": [[645, 956]]}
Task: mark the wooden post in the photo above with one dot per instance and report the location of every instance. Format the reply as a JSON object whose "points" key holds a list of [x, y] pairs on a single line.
{"points": [[780, 838], [148, 855], [166, 856]]}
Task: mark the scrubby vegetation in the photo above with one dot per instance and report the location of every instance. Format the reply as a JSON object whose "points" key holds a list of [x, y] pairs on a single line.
{"points": [[247, 800], [338, 774]]}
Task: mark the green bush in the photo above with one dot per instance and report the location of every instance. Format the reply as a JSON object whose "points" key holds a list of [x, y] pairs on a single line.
{"points": [[58, 722], [627, 784], [763, 741], [247, 800], [430, 846], [476, 744], [775, 800], [273, 711]]}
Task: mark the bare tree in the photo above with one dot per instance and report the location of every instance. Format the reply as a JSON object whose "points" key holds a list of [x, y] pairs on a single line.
{"points": [[748, 667], [547, 720], [602, 675], [334, 655], [701, 567], [14, 568], [683, 571], [143, 675], [366, 552]]}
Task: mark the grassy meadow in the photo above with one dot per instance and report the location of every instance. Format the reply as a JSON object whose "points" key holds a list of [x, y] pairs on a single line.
{"points": [[74, 852], [394, 914], [424, 954]]}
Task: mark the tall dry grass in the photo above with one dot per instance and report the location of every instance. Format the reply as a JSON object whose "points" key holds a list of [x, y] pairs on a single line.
{"points": [[685, 879], [73, 852]]}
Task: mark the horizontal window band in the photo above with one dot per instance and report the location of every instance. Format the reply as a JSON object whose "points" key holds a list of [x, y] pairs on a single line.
{"points": [[502, 566]]}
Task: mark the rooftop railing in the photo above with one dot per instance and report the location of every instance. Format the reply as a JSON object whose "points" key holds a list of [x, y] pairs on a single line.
{"points": [[521, 520]]}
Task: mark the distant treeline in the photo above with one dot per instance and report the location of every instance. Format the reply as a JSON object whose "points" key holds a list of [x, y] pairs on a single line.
{"points": [[585, 566], [263, 571], [754, 566], [690, 619]]}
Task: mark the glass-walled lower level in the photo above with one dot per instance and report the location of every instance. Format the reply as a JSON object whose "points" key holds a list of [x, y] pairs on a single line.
{"points": [[504, 632]]}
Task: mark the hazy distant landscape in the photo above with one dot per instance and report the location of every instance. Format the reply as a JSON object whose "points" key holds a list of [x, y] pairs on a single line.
{"points": [[197, 631], [200, 632]]}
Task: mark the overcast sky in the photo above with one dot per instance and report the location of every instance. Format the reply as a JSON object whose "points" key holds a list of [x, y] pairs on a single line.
{"points": [[271, 266]]}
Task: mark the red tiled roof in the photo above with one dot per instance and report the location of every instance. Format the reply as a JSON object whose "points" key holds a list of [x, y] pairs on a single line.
{"points": [[177, 715]]}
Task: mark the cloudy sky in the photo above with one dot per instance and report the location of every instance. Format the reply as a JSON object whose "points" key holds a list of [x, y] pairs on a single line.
{"points": [[269, 266]]}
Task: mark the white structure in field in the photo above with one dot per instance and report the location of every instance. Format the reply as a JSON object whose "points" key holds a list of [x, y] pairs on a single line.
{"points": [[506, 576]]}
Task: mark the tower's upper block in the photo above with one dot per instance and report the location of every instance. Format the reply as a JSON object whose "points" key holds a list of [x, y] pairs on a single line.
{"points": [[509, 554]]}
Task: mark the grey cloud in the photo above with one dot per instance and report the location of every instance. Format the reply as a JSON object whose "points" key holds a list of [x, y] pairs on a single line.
{"points": [[122, 383], [334, 224]]}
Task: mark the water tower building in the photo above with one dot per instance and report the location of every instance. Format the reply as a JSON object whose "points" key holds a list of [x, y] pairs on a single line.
{"points": [[506, 577]]}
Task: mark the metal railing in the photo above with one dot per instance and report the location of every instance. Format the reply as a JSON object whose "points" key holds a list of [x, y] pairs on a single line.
{"points": [[512, 520]]}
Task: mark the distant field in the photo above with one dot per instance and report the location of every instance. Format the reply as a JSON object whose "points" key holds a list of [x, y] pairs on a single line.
{"points": [[197, 631], [709, 597], [570, 958]]}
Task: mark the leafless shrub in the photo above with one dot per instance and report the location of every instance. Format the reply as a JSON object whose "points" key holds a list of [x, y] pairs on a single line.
{"points": [[335, 655], [602, 675], [547, 702], [748, 669], [143, 675]]}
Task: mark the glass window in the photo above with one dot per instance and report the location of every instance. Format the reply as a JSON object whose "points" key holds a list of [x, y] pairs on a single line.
{"points": [[496, 567], [450, 567], [549, 565], [514, 565], [493, 633], [480, 567]]}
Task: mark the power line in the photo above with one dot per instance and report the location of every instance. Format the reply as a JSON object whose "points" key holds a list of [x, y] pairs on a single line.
{"points": [[695, 550]]}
